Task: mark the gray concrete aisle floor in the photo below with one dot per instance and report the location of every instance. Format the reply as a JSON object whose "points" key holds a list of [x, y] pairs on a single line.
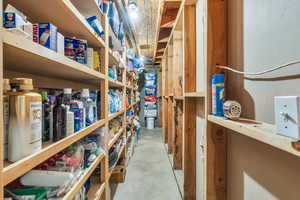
{"points": [[149, 174]]}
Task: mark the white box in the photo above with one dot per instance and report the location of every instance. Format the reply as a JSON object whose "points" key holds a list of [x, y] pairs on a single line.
{"points": [[60, 44], [150, 113], [90, 57], [287, 109]]}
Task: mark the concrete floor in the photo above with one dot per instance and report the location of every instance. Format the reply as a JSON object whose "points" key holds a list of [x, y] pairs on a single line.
{"points": [[149, 174]]}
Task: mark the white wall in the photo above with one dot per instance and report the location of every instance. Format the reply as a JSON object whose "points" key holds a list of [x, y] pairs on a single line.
{"points": [[262, 33], [200, 86]]}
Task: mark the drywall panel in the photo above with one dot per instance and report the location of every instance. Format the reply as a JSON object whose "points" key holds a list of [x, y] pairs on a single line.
{"points": [[200, 62], [262, 34], [200, 124]]}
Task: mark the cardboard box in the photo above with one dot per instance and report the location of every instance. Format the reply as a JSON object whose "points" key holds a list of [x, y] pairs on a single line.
{"points": [[13, 20], [76, 49], [90, 57], [48, 36], [60, 44], [35, 33], [81, 51]]}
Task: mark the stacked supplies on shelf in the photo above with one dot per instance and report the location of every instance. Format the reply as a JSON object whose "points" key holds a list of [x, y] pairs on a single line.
{"points": [[60, 172], [150, 107], [47, 35]]}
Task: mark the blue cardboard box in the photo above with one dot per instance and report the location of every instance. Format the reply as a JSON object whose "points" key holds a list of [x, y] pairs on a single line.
{"points": [[12, 20], [48, 35], [76, 49]]}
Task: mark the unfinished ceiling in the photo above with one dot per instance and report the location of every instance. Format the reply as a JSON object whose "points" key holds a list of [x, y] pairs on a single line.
{"points": [[145, 25]]}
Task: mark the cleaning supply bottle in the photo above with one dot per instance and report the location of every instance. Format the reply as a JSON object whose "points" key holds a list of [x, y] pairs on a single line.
{"points": [[69, 121], [59, 119], [88, 107], [46, 111], [6, 89], [218, 94], [25, 120], [67, 96]]}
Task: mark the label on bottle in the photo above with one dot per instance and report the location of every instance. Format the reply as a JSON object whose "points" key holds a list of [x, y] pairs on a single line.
{"points": [[6, 124], [36, 125]]}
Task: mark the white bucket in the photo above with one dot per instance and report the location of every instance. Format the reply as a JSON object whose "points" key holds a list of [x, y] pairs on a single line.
{"points": [[150, 123]]}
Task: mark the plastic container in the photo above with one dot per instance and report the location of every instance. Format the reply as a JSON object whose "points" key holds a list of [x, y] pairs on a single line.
{"points": [[217, 94], [39, 193], [150, 123]]}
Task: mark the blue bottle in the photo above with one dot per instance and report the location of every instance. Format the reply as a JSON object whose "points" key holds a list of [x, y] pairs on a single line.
{"points": [[217, 94]]}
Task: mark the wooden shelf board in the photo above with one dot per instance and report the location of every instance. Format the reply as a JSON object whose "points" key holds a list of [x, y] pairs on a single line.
{"points": [[119, 156], [88, 8], [84, 177], [259, 131], [14, 170], [67, 18], [114, 115], [179, 97], [194, 94], [115, 138], [23, 55], [115, 83]]}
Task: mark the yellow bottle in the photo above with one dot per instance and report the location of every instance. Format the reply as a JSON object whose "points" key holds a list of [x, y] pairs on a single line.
{"points": [[25, 120], [6, 89]]}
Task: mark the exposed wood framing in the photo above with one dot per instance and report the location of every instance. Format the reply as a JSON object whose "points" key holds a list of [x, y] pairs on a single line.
{"points": [[215, 135], [178, 140], [190, 108]]}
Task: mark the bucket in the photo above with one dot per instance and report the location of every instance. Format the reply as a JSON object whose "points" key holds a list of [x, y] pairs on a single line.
{"points": [[150, 123]]}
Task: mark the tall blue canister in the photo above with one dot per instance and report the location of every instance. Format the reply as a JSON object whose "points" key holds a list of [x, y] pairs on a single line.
{"points": [[217, 94]]}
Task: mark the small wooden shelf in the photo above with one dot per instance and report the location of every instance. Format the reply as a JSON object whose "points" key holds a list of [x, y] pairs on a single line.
{"points": [[23, 55], [112, 168], [115, 138], [114, 115], [19, 168], [115, 83], [67, 18], [88, 172], [259, 131], [195, 94]]}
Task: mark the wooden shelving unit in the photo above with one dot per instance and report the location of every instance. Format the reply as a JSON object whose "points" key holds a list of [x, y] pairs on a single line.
{"points": [[48, 69], [176, 52]]}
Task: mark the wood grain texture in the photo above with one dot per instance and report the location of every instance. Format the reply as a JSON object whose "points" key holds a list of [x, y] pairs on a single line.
{"points": [[190, 110], [178, 140], [216, 136]]}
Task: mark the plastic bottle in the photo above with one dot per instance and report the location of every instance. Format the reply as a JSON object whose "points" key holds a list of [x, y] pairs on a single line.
{"points": [[88, 107], [67, 95], [25, 120], [59, 119], [6, 89], [46, 111], [218, 94], [69, 121]]}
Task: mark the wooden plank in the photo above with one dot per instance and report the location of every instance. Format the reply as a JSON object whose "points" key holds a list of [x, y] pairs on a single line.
{"points": [[33, 56], [190, 107], [190, 110], [259, 131], [12, 171], [170, 126], [178, 62], [216, 137], [178, 150], [194, 94]]}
